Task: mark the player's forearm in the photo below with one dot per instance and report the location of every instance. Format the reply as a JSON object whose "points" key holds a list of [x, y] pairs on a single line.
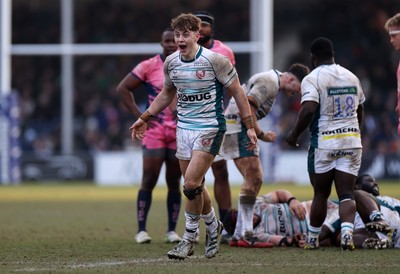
{"points": [[129, 102], [283, 195], [243, 105], [276, 240], [257, 127], [240, 98], [304, 119]]}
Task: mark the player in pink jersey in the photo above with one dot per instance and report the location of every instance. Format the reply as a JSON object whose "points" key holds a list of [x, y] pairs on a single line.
{"points": [[159, 144], [222, 189], [392, 26]]}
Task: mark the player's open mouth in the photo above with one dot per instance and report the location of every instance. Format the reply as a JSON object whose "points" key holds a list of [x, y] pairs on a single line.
{"points": [[182, 47]]}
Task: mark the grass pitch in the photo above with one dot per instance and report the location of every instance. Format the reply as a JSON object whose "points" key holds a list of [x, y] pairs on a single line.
{"points": [[76, 228]]}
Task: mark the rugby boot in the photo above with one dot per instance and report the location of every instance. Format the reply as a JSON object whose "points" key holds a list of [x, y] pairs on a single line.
{"points": [[182, 250], [211, 246], [172, 237], [346, 241], [374, 243], [142, 237], [378, 226], [311, 243]]}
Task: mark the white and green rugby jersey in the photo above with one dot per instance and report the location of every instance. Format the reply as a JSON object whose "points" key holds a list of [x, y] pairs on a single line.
{"points": [[276, 219], [389, 202], [199, 85], [263, 87], [339, 93]]}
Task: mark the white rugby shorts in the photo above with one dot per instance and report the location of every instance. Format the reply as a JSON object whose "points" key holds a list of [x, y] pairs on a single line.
{"points": [[235, 146], [204, 140], [323, 160]]}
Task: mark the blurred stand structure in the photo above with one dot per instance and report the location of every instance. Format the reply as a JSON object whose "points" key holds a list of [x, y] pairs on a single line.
{"points": [[64, 76]]}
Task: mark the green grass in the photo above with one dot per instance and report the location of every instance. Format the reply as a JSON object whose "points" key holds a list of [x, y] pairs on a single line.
{"points": [[55, 228]]}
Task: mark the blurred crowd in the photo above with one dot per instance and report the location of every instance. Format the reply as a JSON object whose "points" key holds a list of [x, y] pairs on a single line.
{"points": [[101, 122]]}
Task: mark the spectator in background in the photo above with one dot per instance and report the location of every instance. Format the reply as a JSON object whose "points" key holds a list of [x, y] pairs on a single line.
{"points": [[332, 99], [392, 26], [159, 142], [222, 189]]}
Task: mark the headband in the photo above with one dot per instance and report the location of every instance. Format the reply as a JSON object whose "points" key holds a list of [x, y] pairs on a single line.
{"points": [[393, 32]]}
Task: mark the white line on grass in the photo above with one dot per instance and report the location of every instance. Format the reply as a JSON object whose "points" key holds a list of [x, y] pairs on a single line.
{"points": [[166, 261], [99, 264]]}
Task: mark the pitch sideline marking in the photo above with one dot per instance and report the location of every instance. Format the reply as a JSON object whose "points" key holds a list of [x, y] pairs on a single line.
{"points": [[108, 263]]}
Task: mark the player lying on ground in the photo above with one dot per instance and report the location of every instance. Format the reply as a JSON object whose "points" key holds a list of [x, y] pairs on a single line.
{"points": [[375, 226], [368, 183], [279, 219]]}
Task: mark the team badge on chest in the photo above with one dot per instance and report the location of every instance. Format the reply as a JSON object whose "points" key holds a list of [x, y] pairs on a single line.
{"points": [[200, 74]]}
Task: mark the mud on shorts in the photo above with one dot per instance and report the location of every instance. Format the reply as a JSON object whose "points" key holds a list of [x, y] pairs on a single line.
{"points": [[235, 146], [323, 160], [204, 140], [159, 141]]}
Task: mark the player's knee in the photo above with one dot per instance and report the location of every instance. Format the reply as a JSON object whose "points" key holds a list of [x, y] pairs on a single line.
{"points": [[192, 193], [249, 190], [254, 177], [149, 182], [346, 197]]}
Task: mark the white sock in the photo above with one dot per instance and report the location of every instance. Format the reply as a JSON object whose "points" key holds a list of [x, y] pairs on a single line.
{"points": [[191, 225], [210, 220], [347, 227], [247, 210], [313, 231], [237, 234]]}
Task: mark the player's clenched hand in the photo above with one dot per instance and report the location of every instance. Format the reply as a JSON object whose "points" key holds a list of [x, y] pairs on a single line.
{"points": [[292, 140], [297, 209], [138, 129], [251, 133], [268, 136]]}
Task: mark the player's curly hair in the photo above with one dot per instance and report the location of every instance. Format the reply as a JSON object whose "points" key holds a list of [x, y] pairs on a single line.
{"points": [[186, 21]]}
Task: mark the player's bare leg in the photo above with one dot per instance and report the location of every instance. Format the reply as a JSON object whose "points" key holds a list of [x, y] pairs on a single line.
{"points": [[222, 193], [250, 168], [198, 202]]}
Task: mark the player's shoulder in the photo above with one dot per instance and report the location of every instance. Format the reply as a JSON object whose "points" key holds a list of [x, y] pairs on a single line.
{"points": [[265, 75], [152, 60], [348, 72], [220, 44], [314, 74], [265, 78], [213, 56], [174, 57], [148, 64]]}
